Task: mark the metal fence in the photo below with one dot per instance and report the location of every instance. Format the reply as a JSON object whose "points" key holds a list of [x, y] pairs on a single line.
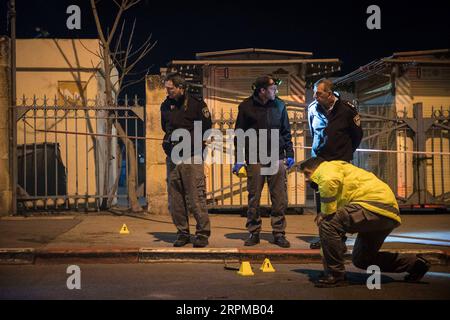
{"points": [[409, 151], [226, 191], [62, 154]]}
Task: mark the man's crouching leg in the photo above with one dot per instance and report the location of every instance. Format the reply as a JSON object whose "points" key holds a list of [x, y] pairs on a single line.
{"points": [[331, 232]]}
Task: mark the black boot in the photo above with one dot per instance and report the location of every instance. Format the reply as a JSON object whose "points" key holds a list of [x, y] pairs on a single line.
{"points": [[418, 270], [281, 241], [182, 240], [200, 241], [252, 240], [330, 281]]}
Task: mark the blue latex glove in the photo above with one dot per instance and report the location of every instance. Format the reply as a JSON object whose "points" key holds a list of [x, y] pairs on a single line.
{"points": [[290, 162], [237, 167]]}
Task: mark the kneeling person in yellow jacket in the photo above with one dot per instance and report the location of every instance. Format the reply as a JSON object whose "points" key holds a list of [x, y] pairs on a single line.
{"points": [[356, 201]]}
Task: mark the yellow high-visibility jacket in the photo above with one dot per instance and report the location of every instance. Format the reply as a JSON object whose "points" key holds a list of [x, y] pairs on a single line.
{"points": [[341, 183]]}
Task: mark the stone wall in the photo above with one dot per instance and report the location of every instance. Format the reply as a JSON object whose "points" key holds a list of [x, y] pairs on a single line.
{"points": [[5, 171], [155, 156]]}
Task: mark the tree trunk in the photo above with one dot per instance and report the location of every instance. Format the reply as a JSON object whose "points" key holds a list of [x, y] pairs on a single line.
{"points": [[132, 165], [106, 113], [113, 190]]}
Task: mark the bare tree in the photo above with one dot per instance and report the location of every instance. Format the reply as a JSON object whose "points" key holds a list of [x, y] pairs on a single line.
{"points": [[120, 57], [112, 56]]}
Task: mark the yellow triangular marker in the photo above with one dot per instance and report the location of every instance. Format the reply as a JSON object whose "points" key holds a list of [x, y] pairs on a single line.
{"points": [[245, 269], [124, 229], [267, 266], [242, 173]]}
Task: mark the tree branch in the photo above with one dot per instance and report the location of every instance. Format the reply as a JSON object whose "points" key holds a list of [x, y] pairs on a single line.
{"points": [[132, 82], [132, 3], [97, 22], [142, 46], [119, 41], [89, 50], [122, 8]]}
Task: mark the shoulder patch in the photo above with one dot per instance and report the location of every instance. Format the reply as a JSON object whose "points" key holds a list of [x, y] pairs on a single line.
{"points": [[351, 105], [205, 112], [195, 100], [357, 120]]}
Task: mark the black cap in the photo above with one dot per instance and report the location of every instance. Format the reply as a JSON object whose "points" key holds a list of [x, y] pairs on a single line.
{"points": [[265, 81]]}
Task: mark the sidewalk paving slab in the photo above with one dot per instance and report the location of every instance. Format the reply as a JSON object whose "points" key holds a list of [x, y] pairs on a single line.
{"points": [[96, 238]]}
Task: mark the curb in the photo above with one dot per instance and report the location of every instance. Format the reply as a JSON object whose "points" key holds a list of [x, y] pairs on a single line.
{"points": [[16, 256], [86, 255]]}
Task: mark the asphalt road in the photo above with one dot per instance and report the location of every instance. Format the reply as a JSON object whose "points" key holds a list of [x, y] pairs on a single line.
{"points": [[189, 281]]}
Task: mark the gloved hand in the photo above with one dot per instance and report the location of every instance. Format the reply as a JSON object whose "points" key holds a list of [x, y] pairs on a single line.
{"points": [[237, 167], [314, 186], [290, 162]]}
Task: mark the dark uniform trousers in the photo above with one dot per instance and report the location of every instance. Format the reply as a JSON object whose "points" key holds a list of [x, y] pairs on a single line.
{"points": [[187, 193], [372, 230], [278, 196]]}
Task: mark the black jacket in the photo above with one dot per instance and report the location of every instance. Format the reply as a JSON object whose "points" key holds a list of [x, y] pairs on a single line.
{"points": [[335, 135], [273, 115], [181, 114]]}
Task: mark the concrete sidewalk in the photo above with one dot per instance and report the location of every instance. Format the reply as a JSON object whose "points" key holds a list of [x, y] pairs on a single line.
{"points": [[95, 237]]}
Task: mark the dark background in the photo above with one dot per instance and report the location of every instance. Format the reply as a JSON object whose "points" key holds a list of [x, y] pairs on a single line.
{"points": [[329, 29]]}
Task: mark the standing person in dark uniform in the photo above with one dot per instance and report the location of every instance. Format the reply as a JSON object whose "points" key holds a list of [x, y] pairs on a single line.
{"points": [[263, 110], [186, 179], [335, 124], [335, 128]]}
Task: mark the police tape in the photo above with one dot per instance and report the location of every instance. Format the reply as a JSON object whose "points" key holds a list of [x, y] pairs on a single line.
{"points": [[106, 135], [295, 146], [391, 151]]}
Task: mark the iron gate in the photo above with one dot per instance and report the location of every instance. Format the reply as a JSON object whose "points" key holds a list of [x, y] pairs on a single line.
{"points": [[61, 154], [409, 151], [226, 191]]}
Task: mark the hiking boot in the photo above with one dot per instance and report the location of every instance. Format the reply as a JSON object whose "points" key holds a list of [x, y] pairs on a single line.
{"points": [[182, 240], [315, 245], [281, 241], [252, 240], [200, 241], [330, 281], [418, 270]]}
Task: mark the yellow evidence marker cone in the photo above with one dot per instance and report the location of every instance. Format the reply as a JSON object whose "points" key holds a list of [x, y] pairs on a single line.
{"points": [[267, 266], [242, 173], [124, 229], [245, 269]]}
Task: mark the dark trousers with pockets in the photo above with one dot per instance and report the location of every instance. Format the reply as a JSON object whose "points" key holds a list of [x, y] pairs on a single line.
{"points": [[278, 196], [372, 230], [187, 193]]}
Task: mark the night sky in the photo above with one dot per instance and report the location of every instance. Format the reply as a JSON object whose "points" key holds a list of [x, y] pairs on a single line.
{"points": [[328, 29]]}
